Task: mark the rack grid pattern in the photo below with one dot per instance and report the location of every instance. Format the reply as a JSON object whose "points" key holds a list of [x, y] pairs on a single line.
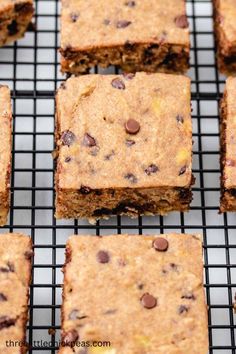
{"points": [[32, 70]]}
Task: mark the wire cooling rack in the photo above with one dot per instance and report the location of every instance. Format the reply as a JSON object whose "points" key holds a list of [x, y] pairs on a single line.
{"points": [[31, 68]]}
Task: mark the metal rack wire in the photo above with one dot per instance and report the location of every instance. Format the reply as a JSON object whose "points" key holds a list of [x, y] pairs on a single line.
{"points": [[31, 68]]}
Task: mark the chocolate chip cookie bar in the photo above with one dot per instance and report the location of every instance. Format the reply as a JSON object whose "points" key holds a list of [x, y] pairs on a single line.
{"points": [[15, 17], [5, 152], [140, 294], [228, 142], [124, 145], [137, 35], [225, 32], [15, 274]]}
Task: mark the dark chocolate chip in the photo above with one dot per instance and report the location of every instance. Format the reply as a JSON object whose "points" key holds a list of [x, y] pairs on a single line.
{"points": [[188, 296], [63, 86], [29, 254], [151, 169], [106, 22], [6, 322], [132, 126], [118, 84], [3, 297], [85, 190], [140, 286], [70, 337], [129, 45], [128, 76], [12, 28], [68, 138], [130, 3], [129, 142], [174, 267], [183, 309], [123, 24], [182, 170], [103, 257], [9, 268], [131, 177], [148, 301], [68, 159], [232, 192], [179, 118], [181, 21], [89, 140], [74, 16], [161, 244], [23, 8]]}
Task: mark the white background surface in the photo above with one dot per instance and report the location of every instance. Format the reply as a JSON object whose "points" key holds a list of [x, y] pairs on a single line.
{"points": [[35, 72]]}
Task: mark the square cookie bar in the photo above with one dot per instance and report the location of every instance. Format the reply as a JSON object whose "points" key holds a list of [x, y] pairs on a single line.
{"points": [[225, 32], [124, 145], [15, 274], [141, 294], [5, 152], [139, 35], [228, 142], [15, 17]]}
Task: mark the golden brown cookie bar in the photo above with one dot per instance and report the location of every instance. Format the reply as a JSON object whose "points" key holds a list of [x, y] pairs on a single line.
{"points": [[143, 294], [137, 35], [15, 273], [228, 141], [125, 145], [225, 32], [5, 152], [15, 17]]}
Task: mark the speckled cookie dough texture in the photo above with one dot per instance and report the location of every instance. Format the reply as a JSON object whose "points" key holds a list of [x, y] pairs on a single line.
{"points": [[143, 294], [15, 17], [225, 32], [124, 145], [228, 141], [15, 274], [5, 152], [139, 35]]}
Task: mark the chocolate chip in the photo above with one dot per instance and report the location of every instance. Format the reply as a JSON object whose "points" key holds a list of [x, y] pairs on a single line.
{"points": [[148, 301], [68, 138], [74, 17], [129, 142], [161, 244], [132, 126], [128, 76], [174, 267], [109, 156], [129, 45], [9, 268], [179, 118], [12, 28], [118, 84], [140, 286], [182, 170], [131, 177], [130, 3], [188, 296], [24, 8], [123, 24], [181, 21], [6, 322], [70, 337], [103, 257], [68, 159], [29, 254], [183, 309], [3, 297], [89, 140], [63, 86], [106, 22], [151, 169], [85, 190]]}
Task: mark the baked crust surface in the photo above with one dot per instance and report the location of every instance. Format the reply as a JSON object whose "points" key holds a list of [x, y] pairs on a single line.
{"points": [[106, 280], [102, 168], [115, 32]]}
